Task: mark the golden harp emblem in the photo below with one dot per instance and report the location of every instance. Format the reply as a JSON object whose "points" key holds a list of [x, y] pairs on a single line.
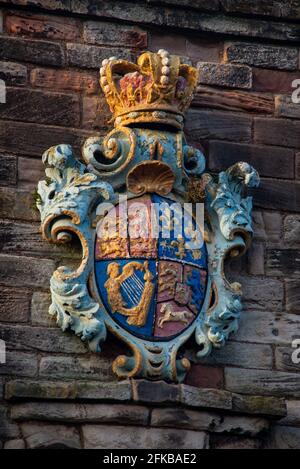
{"points": [[141, 293]]}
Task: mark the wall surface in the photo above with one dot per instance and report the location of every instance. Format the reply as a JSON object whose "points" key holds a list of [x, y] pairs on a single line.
{"points": [[53, 392]]}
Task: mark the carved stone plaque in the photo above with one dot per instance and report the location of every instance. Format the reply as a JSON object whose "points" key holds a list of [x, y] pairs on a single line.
{"points": [[155, 229]]}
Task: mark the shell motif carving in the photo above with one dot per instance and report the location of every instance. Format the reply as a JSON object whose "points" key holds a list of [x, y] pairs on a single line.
{"points": [[151, 176]]}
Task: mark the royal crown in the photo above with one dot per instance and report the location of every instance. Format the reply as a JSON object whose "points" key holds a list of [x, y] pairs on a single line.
{"points": [[157, 89]]}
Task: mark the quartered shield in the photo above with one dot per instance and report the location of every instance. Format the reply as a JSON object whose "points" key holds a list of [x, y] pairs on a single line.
{"points": [[151, 278]]}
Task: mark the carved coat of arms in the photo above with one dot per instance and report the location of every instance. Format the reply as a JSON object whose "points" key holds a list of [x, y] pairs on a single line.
{"points": [[152, 267]]}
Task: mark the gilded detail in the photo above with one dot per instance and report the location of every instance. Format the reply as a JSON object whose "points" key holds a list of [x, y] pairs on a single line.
{"points": [[137, 315], [155, 229]]}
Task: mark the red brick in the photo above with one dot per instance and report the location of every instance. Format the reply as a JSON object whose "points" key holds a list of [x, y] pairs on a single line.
{"points": [[273, 81], [65, 80], [43, 27], [203, 376]]}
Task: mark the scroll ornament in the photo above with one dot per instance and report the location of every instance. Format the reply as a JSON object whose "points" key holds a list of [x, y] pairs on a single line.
{"points": [[153, 293]]}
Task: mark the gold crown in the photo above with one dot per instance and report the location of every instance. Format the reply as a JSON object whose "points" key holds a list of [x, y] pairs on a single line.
{"points": [[157, 89]]}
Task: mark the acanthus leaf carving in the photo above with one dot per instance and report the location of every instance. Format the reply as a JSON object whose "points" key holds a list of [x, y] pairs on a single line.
{"points": [[143, 157]]}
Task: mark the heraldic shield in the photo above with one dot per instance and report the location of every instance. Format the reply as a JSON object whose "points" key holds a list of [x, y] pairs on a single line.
{"points": [[155, 229], [154, 287]]}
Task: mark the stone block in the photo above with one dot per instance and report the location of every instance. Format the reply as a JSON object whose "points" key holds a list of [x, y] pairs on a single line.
{"points": [[30, 172], [23, 271], [65, 80], [14, 305], [91, 367], [8, 170], [13, 74], [282, 132], [68, 390], [118, 437], [262, 382], [40, 310], [292, 229], [262, 55], [284, 359], [264, 327], [14, 444], [237, 354], [277, 8], [200, 397], [41, 107], [8, 429], [26, 239], [17, 204], [184, 418], [240, 425], [41, 436], [273, 225], [36, 52], [230, 76], [284, 438], [256, 259], [19, 364], [15, 138], [106, 33], [203, 376], [95, 113], [284, 107], [42, 27], [292, 290], [268, 161], [41, 339], [204, 50], [283, 262], [262, 294], [271, 407], [86, 56], [80, 413], [234, 442], [154, 392], [233, 100], [277, 194], [218, 125], [293, 414]]}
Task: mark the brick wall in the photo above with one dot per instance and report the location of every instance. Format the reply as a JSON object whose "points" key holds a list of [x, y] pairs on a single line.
{"points": [[248, 56]]}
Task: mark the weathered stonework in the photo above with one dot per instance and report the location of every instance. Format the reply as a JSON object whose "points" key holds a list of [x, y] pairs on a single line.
{"points": [[258, 124]]}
